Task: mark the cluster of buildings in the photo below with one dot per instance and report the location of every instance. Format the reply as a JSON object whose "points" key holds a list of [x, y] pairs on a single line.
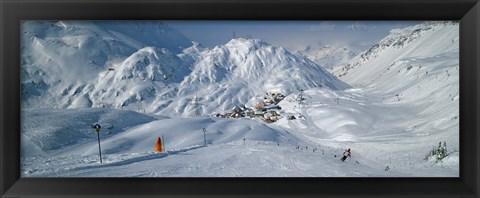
{"points": [[266, 109]]}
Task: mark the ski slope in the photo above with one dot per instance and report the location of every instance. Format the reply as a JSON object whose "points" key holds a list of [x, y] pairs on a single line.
{"points": [[269, 150], [400, 99]]}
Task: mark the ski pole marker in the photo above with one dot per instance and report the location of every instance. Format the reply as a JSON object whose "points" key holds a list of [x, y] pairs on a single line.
{"points": [[97, 128]]}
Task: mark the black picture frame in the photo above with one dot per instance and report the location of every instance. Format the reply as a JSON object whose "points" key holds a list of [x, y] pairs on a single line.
{"points": [[13, 11]]}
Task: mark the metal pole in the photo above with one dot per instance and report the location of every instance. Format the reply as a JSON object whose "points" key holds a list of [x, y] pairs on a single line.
{"points": [[163, 143], [204, 137], [99, 149]]}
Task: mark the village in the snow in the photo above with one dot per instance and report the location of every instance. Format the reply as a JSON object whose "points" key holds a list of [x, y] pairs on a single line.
{"points": [[267, 109], [141, 99]]}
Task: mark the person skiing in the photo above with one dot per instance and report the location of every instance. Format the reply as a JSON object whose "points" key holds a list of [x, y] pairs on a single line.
{"points": [[346, 154]]}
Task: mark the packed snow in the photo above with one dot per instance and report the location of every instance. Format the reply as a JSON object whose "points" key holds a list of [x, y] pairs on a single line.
{"points": [[391, 105]]}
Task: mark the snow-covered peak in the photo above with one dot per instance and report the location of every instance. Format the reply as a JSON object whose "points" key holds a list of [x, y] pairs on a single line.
{"points": [[195, 48], [245, 45], [422, 40], [62, 59], [192, 53], [147, 33], [329, 56], [151, 63], [138, 79], [242, 69], [75, 51], [139, 66], [254, 60]]}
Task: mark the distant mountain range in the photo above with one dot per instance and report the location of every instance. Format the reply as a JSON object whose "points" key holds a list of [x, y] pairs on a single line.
{"points": [[153, 68], [329, 56]]}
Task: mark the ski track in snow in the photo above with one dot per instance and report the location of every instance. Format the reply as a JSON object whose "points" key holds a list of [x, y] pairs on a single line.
{"points": [[109, 161]]}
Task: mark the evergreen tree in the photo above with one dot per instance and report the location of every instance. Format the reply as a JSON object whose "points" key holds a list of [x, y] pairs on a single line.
{"points": [[440, 152]]}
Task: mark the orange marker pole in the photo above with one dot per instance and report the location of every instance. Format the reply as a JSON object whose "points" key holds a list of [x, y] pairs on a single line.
{"points": [[158, 146]]}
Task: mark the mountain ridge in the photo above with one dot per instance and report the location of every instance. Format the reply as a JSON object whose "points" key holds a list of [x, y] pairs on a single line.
{"points": [[135, 75], [390, 49]]}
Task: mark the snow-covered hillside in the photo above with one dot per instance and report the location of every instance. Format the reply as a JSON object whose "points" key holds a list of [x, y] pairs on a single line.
{"points": [[417, 65], [235, 147], [401, 101], [416, 42], [139, 80], [47, 132], [60, 59]]}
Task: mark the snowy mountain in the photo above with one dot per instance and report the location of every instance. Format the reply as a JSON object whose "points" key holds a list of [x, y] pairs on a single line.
{"points": [[401, 102], [192, 53], [147, 33], [237, 72], [416, 69], [329, 56], [136, 67], [422, 40], [60, 59], [138, 79]]}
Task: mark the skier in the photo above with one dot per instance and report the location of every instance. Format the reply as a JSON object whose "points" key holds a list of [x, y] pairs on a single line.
{"points": [[346, 154]]}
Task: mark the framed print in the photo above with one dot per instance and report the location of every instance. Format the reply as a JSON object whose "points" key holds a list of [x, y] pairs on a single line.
{"points": [[239, 98]]}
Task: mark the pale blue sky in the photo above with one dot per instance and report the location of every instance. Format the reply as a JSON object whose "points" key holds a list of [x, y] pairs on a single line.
{"points": [[289, 34]]}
